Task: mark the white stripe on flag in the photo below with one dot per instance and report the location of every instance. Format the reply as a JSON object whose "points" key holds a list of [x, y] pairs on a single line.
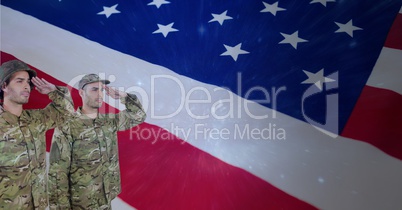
{"points": [[119, 204], [330, 173], [387, 68]]}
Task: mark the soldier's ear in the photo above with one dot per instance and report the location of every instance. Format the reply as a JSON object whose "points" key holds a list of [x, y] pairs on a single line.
{"points": [[81, 92], [3, 86]]}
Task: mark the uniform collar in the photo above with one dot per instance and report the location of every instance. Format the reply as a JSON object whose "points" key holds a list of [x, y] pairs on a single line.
{"points": [[88, 120], [9, 117]]}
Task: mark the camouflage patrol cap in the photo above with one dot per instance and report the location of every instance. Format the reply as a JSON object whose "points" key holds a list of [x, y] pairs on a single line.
{"points": [[90, 78], [10, 67]]}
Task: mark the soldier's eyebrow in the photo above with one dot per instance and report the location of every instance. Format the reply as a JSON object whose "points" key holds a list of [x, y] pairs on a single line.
{"points": [[21, 79], [97, 88]]}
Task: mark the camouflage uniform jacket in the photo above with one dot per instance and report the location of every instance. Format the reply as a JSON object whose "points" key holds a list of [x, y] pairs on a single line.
{"points": [[84, 171], [23, 177]]}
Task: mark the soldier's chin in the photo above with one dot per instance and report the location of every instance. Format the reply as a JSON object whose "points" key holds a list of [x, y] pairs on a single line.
{"points": [[23, 101], [99, 105]]}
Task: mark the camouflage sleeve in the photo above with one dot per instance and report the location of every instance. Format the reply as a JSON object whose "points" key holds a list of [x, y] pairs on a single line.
{"points": [[133, 115], [59, 169], [60, 109]]}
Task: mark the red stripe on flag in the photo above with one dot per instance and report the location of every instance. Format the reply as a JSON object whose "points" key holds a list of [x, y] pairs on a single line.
{"points": [[377, 119], [161, 171], [394, 38]]}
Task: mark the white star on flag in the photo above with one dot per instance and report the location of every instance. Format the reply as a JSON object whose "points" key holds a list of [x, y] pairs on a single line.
{"points": [[323, 2], [165, 30], [234, 51], [220, 18], [292, 39], [272, 8], [108, 11], [347, 28], [158, 3], [317, 79]]}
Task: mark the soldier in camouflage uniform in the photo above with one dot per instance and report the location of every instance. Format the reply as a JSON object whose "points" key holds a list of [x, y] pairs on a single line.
{"points": [[23, 176], [84, 170]]}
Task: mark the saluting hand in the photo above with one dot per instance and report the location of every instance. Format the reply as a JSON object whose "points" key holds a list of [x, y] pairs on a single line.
{"points": [[114, 93], [43, 86]]}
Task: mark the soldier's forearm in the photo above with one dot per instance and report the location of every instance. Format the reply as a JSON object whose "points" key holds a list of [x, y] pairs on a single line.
{"points": [[61, 103]]}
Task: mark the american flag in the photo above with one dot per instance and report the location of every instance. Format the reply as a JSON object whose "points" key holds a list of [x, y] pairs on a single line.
{"points": [[251, 104]]}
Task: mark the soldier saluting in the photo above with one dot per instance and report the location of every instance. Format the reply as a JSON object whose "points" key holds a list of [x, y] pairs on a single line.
{"points": [[23, 175], [84, 168]]}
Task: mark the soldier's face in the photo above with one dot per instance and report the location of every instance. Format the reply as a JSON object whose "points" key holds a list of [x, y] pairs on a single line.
{"points": [[19, 89], [92, 95]]}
